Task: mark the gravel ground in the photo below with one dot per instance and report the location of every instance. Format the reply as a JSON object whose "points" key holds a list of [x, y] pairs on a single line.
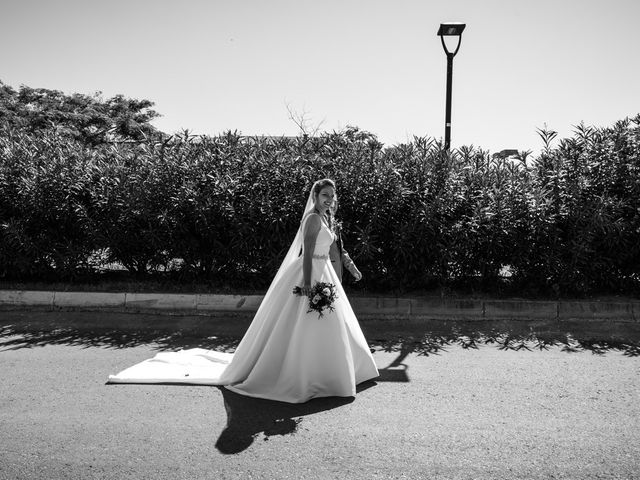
{"points": [[476, 401]]}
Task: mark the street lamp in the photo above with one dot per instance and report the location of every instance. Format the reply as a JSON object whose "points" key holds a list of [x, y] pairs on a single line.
{"points": [[449, 30]]}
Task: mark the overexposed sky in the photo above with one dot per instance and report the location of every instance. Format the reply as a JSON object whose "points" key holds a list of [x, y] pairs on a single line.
{"points": [[212, 65]]}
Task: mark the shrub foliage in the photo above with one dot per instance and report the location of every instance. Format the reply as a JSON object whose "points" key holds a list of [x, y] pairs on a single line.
{"points": [[225, 208]]}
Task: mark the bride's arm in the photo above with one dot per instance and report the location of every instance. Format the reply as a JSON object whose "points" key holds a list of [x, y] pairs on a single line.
{"points": [[311, 229]]}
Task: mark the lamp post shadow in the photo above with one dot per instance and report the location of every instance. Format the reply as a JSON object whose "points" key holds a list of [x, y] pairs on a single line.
{"points": [[396, 371]]}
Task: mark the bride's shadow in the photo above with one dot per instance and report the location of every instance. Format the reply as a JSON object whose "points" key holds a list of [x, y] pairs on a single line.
{"points": [[247, 417]]}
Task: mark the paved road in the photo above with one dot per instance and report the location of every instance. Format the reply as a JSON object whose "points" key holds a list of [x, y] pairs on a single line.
{"points": [[475, 400]]}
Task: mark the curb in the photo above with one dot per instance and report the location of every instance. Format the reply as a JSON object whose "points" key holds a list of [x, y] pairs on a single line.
{"points": [[364, 307]]}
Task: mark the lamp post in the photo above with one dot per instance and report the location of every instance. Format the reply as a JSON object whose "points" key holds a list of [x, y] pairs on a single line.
{"points": [[449, 30]]}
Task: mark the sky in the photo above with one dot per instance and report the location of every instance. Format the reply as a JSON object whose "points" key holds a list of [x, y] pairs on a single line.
{"points": [[250, 65]]}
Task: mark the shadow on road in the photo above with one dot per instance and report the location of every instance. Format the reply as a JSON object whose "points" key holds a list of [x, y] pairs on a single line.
{"points": [[119, 330], [426, 337], [248, 417], [436, 337]]}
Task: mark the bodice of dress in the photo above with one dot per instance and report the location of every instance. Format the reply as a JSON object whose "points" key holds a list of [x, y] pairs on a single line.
{"points": [[324, 241]]}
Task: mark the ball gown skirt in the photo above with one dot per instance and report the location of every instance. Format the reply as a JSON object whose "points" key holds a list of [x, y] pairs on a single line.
{"points": [[287, 354]]}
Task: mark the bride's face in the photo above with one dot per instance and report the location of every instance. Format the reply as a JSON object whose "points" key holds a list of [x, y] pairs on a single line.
{"points": [[325, 198]]}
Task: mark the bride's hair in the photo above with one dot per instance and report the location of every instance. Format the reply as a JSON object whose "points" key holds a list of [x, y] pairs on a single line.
{"points": [[320, 184], [317, 187]]}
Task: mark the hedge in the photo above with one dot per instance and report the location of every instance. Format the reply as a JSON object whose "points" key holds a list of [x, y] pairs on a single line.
{"points": [[225, 208]]}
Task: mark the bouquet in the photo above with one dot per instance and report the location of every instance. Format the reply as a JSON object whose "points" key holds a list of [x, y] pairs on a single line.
{"points": [[321, 297]]}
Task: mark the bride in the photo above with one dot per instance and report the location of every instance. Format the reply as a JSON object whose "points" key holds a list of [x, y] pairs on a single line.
{"points": [[288, 353]]}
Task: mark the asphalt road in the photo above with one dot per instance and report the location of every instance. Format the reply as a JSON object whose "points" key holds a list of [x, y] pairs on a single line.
{"points": [[477, 400]]}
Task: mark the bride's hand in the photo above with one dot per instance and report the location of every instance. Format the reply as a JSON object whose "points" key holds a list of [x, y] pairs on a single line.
{"points": [[354, 271], [357, 274], [305, 290]]}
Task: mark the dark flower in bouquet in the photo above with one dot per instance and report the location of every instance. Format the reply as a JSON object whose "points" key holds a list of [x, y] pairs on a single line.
{"points": [[321, 297]]}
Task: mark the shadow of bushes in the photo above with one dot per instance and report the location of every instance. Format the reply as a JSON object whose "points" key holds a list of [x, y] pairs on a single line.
{"points": [[432, 337]]}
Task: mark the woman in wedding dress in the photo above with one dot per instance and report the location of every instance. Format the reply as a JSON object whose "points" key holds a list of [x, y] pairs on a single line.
{"points": [[288, 353]]}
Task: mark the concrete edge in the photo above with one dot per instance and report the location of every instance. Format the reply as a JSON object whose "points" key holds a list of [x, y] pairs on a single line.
{"points": [[466, 309]]}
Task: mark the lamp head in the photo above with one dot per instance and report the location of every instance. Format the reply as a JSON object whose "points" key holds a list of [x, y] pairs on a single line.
{"points": [[451, 29]]}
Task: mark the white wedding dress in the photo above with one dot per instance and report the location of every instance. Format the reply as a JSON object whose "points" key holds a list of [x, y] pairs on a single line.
{"points": [[287, 354]]}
